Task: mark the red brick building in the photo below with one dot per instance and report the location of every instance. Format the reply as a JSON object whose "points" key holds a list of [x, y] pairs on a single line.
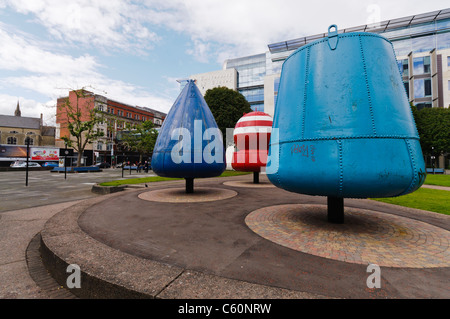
{"points": [[117, 116]]}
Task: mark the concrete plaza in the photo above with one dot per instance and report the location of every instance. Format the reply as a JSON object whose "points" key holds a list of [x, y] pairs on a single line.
{"points": [[245, 245]]}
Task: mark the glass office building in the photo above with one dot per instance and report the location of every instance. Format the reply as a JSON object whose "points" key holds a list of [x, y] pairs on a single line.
{"points": [[421, 44], [250, 78]]}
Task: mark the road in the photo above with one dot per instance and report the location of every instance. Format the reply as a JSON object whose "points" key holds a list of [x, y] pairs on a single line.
{"points": [[45, 188]]}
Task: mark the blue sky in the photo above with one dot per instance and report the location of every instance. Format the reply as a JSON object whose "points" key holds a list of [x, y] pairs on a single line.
{"points": [[133, 51]]}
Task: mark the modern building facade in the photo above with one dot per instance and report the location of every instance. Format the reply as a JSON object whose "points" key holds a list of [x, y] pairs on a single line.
{"points": [[422, 47], [209, 80], [421, 43], [117, 117]]}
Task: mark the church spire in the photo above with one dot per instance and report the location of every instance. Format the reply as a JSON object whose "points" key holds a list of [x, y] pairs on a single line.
{"points": [[17, 111]]}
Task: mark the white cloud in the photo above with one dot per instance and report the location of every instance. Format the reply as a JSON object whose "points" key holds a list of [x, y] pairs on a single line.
{"points": [[217, 28], [18, 53], [106, 24], [53, 75], [236, 28], [29, 108]]}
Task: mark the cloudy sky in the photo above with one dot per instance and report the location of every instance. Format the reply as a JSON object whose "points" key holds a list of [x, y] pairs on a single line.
{"points": [[133, 51]]}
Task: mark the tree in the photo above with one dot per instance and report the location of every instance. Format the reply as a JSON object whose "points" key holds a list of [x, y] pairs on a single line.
{"points": [[433, 125], [140, 138], [227, 106], [81, 118]]}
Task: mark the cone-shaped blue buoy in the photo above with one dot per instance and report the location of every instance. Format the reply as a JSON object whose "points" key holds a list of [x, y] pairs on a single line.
{"points": [[189, 144]]}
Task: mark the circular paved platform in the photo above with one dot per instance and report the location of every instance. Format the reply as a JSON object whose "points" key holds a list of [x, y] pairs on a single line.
{"points": [[179, 195], [208, 250], [366, 237]]}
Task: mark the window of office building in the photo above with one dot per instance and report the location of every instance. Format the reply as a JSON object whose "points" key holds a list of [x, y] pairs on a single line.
{"points": [[406, 84], [253, 95], [402, 47], [442, 41], [276, 86], [251, 70], [423, 43], [100, 146], [403, 67], [422, 88], [421, 65]]}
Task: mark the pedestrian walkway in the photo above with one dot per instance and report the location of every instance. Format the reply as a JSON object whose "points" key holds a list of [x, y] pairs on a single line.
{"points": [[17, 229], [211, 250], [444, 188]]}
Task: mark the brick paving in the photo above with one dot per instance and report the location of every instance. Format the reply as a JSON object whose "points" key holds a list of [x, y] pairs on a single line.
{"points": [[365, 237]]}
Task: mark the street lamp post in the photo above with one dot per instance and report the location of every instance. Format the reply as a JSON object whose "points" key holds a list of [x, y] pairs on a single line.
{"points": [[432, 157], [27, 141], [123, 162], [65, 161]]}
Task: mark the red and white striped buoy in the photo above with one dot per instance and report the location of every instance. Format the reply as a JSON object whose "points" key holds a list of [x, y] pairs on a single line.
{"points": [[252, 137]]}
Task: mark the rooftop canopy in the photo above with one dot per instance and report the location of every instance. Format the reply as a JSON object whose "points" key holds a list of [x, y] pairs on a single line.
{"points": [[380, 27]]}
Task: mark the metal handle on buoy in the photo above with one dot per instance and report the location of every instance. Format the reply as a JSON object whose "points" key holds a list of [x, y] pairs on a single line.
{"points": [[333, 37]]}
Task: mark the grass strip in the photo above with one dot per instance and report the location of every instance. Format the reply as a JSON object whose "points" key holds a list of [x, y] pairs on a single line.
{"points": [[439, 180], [152, 179], [432, 200]]}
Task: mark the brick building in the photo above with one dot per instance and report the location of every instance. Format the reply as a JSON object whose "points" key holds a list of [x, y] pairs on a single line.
{"points": [[117, 117]]}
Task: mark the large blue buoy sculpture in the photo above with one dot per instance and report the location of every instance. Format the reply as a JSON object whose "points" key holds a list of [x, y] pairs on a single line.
{"points": [[343, 127], [189, 144]]}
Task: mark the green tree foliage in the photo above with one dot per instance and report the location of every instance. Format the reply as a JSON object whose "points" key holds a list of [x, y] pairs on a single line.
{"points": [[227, 106], [433, 125], [140, 138], [82, 120]]}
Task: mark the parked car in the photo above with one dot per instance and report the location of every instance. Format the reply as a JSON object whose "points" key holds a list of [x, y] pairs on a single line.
{"points": [[50, 164], [22, 164], [102, 165]]}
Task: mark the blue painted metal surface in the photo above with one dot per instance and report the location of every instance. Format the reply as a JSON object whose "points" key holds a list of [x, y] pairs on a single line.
{"points": [[189, 144], [345, 125]]}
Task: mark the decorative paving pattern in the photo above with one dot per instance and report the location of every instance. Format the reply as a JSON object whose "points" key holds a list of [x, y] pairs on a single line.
{"points": [[366, 237], [249, 184], [179, 195]]}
